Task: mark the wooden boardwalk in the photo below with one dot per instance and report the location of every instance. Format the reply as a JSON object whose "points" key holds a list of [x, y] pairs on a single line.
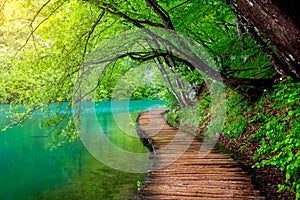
{"points": [[178, 172]]}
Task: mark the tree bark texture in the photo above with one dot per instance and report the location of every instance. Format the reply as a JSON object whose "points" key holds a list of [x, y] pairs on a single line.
{"points": [[276, 26]]}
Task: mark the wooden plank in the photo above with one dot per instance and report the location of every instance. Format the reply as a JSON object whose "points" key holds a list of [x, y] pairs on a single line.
{"points": [[178, 172]]}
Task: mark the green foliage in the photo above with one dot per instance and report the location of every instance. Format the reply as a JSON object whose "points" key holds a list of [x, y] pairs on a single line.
{"points": [[41, 64], [148, 91], [171, 102], [64, 131], [63, 32], [134, 117], [236, 121], [138, 183], [189, 118], [237, 126], [279, 133], [40, 58], [123, 80], [213, 24]]}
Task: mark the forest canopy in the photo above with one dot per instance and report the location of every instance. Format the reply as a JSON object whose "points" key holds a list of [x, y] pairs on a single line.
{"points": [[51, 39]]}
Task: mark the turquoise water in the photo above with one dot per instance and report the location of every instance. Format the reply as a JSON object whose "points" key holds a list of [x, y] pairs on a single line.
{"points": [[29, 170]]}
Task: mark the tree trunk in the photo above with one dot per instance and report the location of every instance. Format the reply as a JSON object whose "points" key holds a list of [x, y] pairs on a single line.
{"points": [[278, 26]]}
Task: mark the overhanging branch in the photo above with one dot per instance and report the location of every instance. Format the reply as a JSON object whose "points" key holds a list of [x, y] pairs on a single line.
{"points": [[161, 13], [214, 74]]}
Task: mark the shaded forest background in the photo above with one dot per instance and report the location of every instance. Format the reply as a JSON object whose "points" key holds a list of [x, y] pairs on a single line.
{"points": [[254, 44]]}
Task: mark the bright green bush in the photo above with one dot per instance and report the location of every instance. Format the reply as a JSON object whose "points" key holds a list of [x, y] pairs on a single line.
{"points": [[188, 117], [279, 133], [236, 121]]}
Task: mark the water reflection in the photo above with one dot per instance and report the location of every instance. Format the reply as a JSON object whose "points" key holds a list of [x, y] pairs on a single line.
{"points": [[30, 171]]}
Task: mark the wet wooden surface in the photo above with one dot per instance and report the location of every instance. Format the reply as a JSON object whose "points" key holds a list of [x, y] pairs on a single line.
{"points": [[179, 172]]}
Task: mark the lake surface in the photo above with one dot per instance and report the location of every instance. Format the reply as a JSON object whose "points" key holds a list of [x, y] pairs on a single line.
{"points": [[29, 170]]}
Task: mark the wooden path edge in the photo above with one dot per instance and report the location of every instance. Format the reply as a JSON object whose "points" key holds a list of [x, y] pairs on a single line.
{"points": [[217, 176]]}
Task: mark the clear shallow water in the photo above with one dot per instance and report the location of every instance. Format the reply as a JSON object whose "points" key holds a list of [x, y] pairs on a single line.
{"points": [[30, 171]]}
